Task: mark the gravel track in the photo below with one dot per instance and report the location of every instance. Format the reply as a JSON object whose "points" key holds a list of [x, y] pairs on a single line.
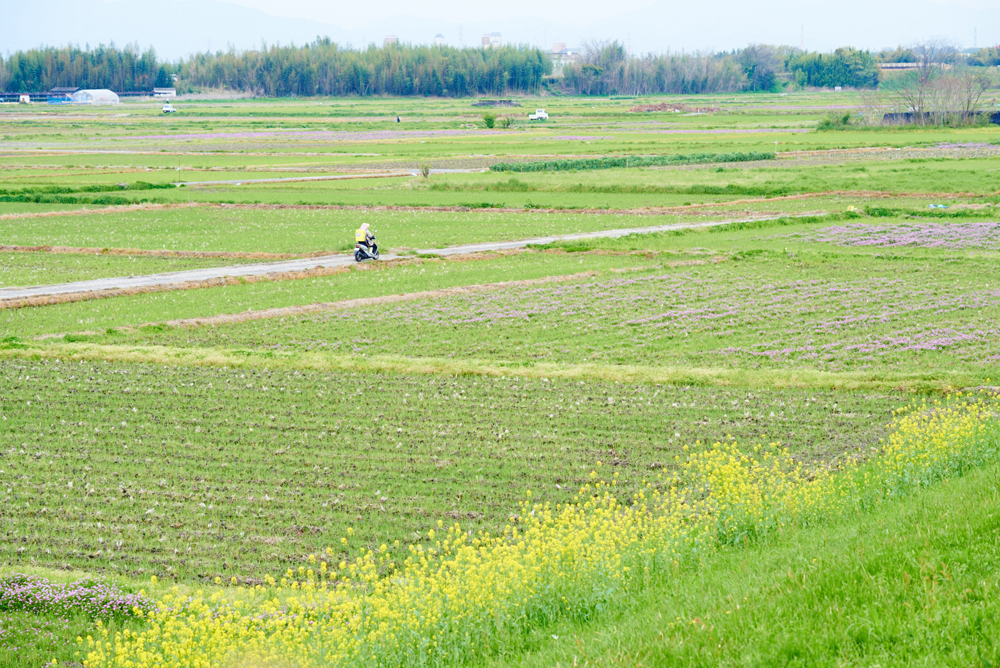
{"points": [[182, 278]]}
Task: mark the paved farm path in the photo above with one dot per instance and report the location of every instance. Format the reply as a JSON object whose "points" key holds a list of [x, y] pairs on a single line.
{"points": [[340, 260]]}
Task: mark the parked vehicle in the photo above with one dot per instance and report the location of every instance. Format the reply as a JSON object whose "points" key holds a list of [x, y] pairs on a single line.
{"points": [[539, 115], [169, 108], [362, 252]]}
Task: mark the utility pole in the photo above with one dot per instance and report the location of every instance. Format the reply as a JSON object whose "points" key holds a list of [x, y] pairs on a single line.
{"points": [[461, 42], [802, 36]]}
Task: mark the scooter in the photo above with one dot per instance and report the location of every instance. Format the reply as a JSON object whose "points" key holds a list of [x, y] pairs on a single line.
{"points": [[362, 252]]}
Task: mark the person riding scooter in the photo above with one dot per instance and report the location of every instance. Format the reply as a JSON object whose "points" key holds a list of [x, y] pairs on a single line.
{"points": [[364, 244], [363, 236]]}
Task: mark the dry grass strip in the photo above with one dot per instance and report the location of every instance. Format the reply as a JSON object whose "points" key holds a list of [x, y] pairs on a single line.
{"points": [[941, 382], [118, 208]]}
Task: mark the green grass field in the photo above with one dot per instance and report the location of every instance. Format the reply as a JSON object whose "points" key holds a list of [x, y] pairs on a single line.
{"points": [[191, 436], [913, 585]]}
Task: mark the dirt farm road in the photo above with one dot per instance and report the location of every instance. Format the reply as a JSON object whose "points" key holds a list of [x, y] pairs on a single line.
{"points": [[339, 260]]}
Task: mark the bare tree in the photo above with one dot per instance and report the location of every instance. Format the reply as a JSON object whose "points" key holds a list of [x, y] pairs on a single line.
{"points": [[921, 93], [971, 85], [873, 105]]}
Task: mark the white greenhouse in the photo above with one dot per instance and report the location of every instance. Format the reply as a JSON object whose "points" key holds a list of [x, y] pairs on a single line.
{"points": [[95, 96]]}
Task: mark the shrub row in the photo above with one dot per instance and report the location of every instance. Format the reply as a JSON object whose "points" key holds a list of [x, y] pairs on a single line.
{"points": [[106, 188], [608, 162]]}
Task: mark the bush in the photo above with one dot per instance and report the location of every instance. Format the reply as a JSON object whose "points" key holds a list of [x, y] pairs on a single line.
{"points": [[489, 119], [834, 122]]}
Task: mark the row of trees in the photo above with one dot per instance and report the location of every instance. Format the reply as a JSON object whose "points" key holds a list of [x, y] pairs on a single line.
{"points": [[101, 67], [605, 68], [324, 68], [320, 68], [942, 53]]}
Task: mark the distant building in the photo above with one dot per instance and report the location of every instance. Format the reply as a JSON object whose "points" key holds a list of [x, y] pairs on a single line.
{"points": [[561, 56], [898, 66], [492, 40], [439, 40], [95, 96], [390, 39], [164, 93]]}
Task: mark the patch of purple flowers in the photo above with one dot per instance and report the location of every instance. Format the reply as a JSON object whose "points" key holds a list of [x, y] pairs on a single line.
{"points": [[970, 145], [99, 600], [955, 236]]}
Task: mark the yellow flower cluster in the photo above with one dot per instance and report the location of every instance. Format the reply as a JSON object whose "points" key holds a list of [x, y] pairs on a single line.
{"points": [[460, 594]]}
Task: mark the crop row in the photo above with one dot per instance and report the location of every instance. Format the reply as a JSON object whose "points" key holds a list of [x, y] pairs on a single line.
{"points": [[204, 472], [468, 595]]}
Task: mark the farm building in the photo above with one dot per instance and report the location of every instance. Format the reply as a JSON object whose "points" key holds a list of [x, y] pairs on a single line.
{"points": [[61, 95], [95, 96]]}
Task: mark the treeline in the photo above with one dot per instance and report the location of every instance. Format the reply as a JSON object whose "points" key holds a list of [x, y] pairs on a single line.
{"points": [[320, 68], [607, 69], [126, 69], [941, 53], [325, 68]]}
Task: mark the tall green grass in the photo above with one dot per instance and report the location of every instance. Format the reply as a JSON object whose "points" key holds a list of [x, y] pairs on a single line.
{"points": [[608, 162]]}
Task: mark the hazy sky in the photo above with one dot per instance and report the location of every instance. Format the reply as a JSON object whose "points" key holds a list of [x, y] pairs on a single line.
{"points": [[579, 12], [177, 28], [356, 14]]}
